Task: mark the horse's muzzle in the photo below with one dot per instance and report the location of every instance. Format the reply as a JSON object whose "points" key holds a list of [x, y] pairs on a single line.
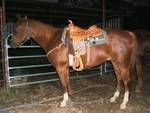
{"points": [[11, 42]]}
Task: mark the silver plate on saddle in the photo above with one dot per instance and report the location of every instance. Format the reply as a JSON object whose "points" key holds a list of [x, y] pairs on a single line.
{"points": [[96, 40]]}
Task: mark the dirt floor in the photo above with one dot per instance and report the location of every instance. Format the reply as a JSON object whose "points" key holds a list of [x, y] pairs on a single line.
{"points": [[91, 95]]}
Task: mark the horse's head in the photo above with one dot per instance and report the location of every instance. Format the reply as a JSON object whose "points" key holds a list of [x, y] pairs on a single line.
{"points": [[22, 33]]}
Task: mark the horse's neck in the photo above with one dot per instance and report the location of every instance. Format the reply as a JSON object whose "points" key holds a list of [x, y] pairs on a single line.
{"points": [[44, 35]]}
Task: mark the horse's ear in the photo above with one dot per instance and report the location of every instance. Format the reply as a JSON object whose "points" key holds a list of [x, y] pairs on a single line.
{"points": [[70, 23]]}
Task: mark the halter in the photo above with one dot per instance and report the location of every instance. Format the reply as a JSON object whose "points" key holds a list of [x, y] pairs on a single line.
{"points": [[28, 32]]}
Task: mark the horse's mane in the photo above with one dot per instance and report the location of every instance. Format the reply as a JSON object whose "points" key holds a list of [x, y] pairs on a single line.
{"points": [[42, 24], [36, 23]]}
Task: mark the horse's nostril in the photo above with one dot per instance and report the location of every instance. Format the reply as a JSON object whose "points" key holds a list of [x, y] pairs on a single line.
{"points": [[9, 39]]}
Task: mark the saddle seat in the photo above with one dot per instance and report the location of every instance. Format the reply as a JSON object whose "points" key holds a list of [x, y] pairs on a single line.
{"points": [[78, 33]]}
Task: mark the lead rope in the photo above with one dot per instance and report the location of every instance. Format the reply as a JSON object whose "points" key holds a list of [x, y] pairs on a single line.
{"points": [[63, 37], [59, 46]]}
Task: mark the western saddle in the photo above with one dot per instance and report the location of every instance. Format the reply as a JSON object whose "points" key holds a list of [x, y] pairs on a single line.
{"points": [[77, 33]]}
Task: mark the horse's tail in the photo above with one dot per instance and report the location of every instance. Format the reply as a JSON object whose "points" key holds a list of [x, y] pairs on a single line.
{"points": [[134, 56], [140, 49]]}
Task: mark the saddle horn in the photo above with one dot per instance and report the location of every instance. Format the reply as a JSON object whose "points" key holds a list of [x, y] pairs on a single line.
{"points": [[70, 23]]}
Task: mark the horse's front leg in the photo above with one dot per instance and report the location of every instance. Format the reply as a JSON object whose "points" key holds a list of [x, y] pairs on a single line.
{"points": [[63, 72]]}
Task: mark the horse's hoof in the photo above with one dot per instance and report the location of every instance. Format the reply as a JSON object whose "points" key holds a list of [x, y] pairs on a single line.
{"points": [[112, 99], [64, 103], [137, 90], [122, 106]]}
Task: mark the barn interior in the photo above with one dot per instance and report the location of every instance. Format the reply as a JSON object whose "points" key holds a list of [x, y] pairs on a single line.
{"points": [[24, 66], [83, 12]]}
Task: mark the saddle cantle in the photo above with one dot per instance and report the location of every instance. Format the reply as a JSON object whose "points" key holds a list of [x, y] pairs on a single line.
{"points": [[78, 33]]}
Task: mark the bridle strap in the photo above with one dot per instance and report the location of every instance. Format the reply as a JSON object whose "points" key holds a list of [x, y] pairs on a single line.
{"points": [[27, 30]]}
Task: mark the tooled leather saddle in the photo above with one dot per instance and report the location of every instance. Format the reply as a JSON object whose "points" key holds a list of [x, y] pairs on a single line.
{"points": [[81, 42], [78, 33]]}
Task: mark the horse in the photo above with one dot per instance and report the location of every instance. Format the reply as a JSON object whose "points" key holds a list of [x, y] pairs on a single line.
{"points": [[143, 51], [120, 48]]}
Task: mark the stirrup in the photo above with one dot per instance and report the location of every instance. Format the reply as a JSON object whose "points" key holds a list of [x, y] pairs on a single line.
{"points": [[80, 68]]}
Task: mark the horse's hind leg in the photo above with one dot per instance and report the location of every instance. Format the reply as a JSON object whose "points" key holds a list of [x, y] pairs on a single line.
{"points": [[118, 88], [139, 76], [63, 73], [125, 78], [122, 73]]}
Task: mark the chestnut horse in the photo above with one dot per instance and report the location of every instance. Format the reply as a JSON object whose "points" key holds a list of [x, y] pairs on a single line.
{"points": [[119, 48]]}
